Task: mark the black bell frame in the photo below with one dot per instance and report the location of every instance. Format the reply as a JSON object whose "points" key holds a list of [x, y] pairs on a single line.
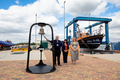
{"points": [[41, 68]]}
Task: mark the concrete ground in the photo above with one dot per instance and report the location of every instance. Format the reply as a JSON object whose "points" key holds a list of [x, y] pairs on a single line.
{"points": [[88, 67], [8, 55], [113, 57]]}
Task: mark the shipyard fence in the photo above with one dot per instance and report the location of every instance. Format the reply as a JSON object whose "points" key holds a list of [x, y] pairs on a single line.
{"points": [[115, 46]]}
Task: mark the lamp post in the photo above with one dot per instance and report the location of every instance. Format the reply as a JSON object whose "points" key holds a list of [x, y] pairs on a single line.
{"points": [[90, 26], [89, 21], [35, 29], [64, 19]]}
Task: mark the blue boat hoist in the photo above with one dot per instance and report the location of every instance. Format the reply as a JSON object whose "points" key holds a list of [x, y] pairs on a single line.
{"points": [[101, 20]]}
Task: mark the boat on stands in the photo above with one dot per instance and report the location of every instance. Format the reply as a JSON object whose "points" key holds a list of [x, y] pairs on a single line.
{"points": [[86, 40], [6, 44]]}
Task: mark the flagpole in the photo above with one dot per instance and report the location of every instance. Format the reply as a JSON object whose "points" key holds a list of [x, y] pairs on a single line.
{"points": [[64, 20]]}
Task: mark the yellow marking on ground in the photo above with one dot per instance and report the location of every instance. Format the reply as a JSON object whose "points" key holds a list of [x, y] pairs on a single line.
{"points": [[19, 49]]}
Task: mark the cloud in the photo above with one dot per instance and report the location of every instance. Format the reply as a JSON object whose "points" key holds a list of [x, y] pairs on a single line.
{"points": [[115, 2], [16, 21], [100, 8], [17, 2], [114, 27], [84, 7], [115, 21]]}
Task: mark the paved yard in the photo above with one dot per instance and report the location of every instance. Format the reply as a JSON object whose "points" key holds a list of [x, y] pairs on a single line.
{"points": [[86, 68]]}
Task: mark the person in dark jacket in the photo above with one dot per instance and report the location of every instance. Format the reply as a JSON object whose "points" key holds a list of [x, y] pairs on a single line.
{"points": [[57, 46], [65, 48]]}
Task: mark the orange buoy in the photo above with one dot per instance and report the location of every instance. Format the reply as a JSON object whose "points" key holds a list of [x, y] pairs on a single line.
{"points": [[82, 54]]}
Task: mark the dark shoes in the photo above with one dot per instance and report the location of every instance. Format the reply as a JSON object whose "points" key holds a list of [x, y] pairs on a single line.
{"points": [[59, 65]]}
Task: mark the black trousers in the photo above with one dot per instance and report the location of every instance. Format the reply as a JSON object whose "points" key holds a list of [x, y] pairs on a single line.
{"points": [[57, 55], [65, 54]]}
